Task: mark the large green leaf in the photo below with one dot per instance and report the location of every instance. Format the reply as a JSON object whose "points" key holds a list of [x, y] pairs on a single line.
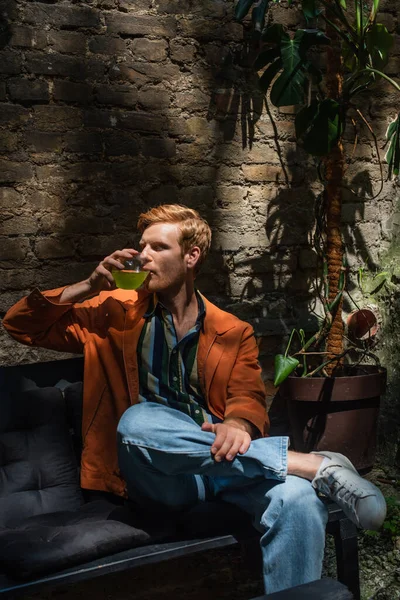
{"points": [[258, 15], [242, 8], [284, 366], [288, 89], [266, 57], [378, 42], [392, 156], [318, 126], [269, 74]]}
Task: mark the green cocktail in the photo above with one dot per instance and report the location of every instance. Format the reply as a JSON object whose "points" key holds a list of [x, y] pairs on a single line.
{"points": [[129, 280]]}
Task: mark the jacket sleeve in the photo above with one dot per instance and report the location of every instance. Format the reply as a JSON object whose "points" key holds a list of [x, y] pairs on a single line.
{"points": [[246, 395], [40, 320]]}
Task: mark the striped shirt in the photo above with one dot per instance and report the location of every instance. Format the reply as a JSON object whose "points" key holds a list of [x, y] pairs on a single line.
{"points": [[168, 367]]}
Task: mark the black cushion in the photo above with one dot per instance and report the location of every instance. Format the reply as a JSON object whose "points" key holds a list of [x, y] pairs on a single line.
{"points": [[38, 471], [56, 541]]}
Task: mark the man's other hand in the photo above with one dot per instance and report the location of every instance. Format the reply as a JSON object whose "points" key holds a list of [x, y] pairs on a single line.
{"points": [[232, 437]]}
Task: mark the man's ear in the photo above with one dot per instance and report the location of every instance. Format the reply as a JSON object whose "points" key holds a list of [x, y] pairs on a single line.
{"points": [[193, 256]]}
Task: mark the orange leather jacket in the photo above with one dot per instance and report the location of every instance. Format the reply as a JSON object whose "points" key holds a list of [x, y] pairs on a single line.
{"points": [[106, 330]]}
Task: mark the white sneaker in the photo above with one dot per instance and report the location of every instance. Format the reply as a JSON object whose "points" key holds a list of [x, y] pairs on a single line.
{"points": [[361, 501]]}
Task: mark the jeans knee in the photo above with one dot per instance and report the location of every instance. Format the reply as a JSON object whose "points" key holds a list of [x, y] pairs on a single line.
{"points": [[297, 502], [134, 422]]}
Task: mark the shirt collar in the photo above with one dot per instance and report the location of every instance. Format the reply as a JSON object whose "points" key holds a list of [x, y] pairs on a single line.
{"points": [[155, 304]]}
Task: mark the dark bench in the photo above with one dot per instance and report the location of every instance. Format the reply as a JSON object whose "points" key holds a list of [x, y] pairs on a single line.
{"points": [[131, 538]]}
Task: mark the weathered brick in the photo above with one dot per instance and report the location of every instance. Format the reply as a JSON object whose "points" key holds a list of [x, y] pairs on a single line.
{"points": [[69, 91], [154, 98], [158, 148], [10, 199], [187, 174], [200, 127], [14, 279], [27, 37], [270, 173], [68, 42], [85, 143], [116, 95], [210, 8], [56, 118], [100, 119], [207, 29], [127, 24], [8, 142], [99, 245], [75, 172], [128, 5], [13, 248], [40, 200], [40, 141], [11, 115], [65, 66], [10, 63], [165, 194], [53, 247], [193, 101], [19, 224], [393, 66], [140, 121], [230, 195], [11, 172], [118, 145], [60, 16], [181, 52], [102, 44], [152, 50], [143, 72], [28, 91]]}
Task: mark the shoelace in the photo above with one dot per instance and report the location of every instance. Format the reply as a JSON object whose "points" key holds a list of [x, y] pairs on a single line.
{"points": [[346, 494]]}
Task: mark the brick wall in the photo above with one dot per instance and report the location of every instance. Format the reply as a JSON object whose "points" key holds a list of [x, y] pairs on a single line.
{"points": [[108, 107]]}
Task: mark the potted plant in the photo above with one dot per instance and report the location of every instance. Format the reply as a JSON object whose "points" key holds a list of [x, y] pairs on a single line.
{"points": [[332, 404]]}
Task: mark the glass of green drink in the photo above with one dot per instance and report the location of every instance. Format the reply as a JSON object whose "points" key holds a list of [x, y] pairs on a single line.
{"points": [[131, 276]]}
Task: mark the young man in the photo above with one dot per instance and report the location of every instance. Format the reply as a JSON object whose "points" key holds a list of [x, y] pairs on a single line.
{"points": [[180, 381]]}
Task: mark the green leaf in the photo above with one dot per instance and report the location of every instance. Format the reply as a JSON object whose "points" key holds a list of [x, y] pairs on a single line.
{"points": [[378, 42], [269, 74], [374, 9], [242, 8], [266, 57], [273, 34], [392, 156], [284, 366], [288, 89], [343, 4], [307, 38], [318, 126], [309, 9], [258, 15]]}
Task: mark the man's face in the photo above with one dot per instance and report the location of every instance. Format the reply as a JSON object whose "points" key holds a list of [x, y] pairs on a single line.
{"points": [[163, 258]]}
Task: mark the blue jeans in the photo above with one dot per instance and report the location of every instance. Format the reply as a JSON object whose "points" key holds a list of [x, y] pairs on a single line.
{"points": [[165, 457]]}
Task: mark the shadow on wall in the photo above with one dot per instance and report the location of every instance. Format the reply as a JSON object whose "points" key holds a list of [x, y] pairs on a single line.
{"points": [[102, 110]]}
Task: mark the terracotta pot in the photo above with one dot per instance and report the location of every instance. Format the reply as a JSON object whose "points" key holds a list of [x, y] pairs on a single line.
{"points": [[337, 413]]}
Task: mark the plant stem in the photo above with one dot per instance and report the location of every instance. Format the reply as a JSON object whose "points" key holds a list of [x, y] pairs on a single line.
{"points": [[389, 79], [334, 170]]}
